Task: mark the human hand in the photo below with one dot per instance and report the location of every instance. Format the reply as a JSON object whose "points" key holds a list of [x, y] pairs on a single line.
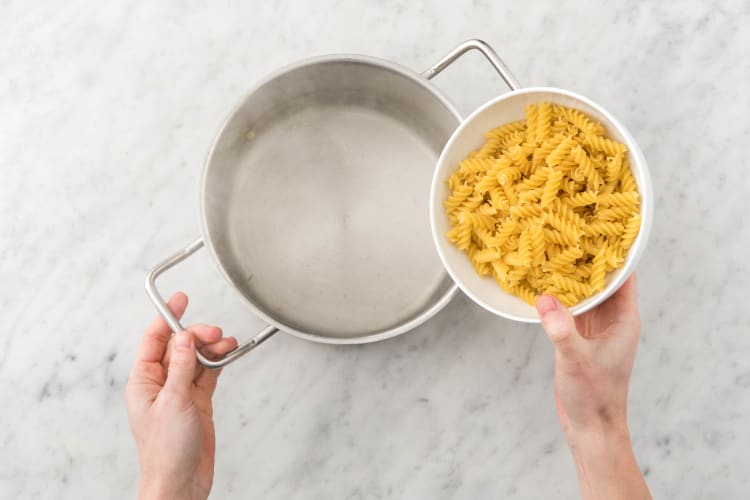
{"points": [[169, 405], [594, 355]]}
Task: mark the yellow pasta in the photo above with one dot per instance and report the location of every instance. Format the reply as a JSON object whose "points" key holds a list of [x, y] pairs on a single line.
{"points": [[531, 120], [558, 154], [612, 173], [582, 199], [508, 175], [598, 269], [631, 231], [506, 129], [547, 205], [486, 183], [551, 188], [610, 147], [536, 238], [622, 199], [490, 148], [614, 213], [569, 284], [580, 120], [458, 197], [535, 180], [543, 121], [606, 228], [525, 211]]}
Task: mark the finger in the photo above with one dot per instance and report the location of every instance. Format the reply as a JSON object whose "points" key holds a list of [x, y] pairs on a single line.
{"points": [[205, 334], [202, 335], [626, 297], [559, 325], [181, 370], [156, 338], [220, 347], [208, 378]]}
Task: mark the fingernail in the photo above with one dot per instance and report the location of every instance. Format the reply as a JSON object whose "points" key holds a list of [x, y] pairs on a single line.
{"points": [[182, 341], [546, 304]]}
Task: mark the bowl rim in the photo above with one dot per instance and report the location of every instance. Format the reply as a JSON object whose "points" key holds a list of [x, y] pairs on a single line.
{"points": [[645, 192]]}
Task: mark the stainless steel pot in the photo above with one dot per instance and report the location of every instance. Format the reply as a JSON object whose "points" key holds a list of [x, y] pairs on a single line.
{"points": [[315, 200]]}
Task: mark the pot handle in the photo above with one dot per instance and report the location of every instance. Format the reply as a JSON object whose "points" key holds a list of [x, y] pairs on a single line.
{"points": [[486, 50], [174, 323]]}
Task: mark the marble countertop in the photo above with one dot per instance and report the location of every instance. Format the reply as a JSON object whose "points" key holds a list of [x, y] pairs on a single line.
{"points": [[106, 112]]}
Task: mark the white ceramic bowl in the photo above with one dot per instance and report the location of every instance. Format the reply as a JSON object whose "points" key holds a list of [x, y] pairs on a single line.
{"points": [[470, 136]]}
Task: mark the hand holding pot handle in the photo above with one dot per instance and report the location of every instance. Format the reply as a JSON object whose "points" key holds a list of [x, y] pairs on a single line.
{"points": [[174, 322], [169, 407]]}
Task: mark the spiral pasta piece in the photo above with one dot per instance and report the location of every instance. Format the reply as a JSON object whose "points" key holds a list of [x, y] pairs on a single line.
{"points": [[551, 188], [554, 236], [486, 183], [614, 213], [532, 111], [569, 231], [532, 195], [535, 180], [508, 175], [489, 149], [475, 165], [457, 198], [571, 285], [609, 147], [568, 255], [536, 237], [542, 152], [625, 199], [631, 231], [506, 129], [606, 228], [558, 154], [582, 199], [580, 120], [526, 293], [612, 173], [460, 235], [499, 200], [525, 249], [627, 182], [543, 121], [599, 269], [475, 219], [514, 139], [526, 211], [487, 255]]}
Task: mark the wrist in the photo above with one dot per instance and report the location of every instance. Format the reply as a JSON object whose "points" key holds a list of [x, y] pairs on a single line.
{"points": [[163, 489], [601, 428], [600, 439], [151, 490], [597, 424]]}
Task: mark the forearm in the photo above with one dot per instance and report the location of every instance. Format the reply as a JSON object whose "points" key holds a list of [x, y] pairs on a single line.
{"points": [[606, 465]]}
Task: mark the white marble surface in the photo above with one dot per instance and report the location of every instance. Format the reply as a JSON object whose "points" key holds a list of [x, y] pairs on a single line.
{"points": [[106, 111]]}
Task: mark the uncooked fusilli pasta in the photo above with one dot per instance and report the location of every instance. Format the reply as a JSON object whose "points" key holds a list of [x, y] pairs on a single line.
{"points": [[547, 205]]}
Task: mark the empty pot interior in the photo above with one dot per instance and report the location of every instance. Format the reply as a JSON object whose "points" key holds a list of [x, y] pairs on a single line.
{"points": [[316, 198]]}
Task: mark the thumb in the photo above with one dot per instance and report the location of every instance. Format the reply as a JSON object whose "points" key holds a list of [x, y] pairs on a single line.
{"points": [[558, 324], [181, 371]]}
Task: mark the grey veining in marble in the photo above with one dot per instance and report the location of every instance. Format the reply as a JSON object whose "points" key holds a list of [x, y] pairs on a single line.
{"points": [[106, 112]]}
